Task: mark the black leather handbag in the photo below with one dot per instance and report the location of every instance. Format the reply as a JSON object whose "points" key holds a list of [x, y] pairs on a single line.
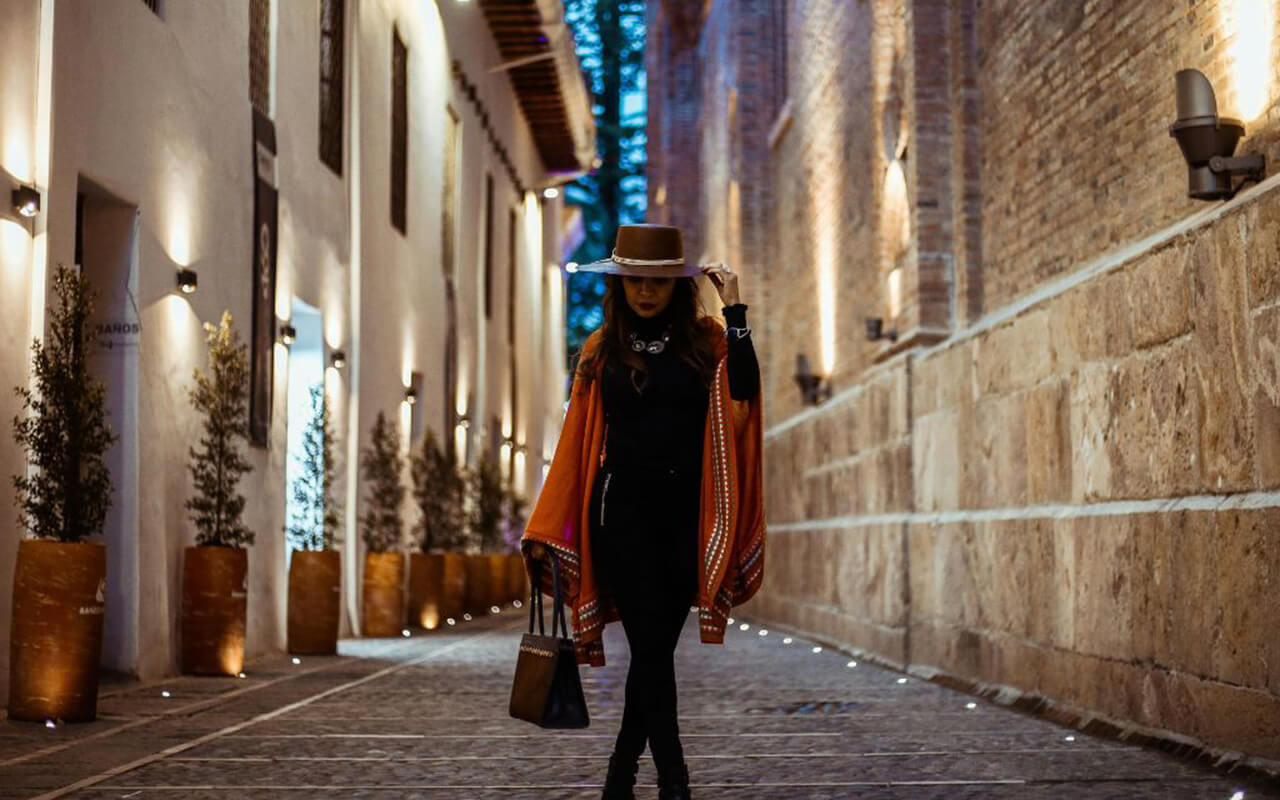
{"points": [[547, 690]]}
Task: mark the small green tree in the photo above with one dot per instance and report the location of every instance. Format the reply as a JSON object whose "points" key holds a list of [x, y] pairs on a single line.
{"points": [[380, 526], [440, 489], [63, 429], [513, 517], [220, 395], [486, 504], [313, 523]]}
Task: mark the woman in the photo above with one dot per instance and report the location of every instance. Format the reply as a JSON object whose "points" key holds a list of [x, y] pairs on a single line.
{"points": [[653, 498]]}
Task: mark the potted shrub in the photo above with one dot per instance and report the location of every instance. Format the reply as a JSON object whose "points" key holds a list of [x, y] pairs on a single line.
{"points": [[436, 582], [315, 566], [59, 586], [215, 571], [486, 578], [380, 528], [513, 520]]}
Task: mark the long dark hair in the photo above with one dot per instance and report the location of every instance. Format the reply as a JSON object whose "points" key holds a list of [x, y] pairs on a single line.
{"points": [[689, 340]]}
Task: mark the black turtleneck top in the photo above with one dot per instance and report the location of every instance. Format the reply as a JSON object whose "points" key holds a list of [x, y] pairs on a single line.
{"points": [[660, 428]]}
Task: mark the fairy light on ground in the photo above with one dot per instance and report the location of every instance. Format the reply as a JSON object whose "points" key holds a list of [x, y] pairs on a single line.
{"points": [[50, 724], [817, 648], [902, 680], [744, 626], [787, 640], [516, 603], [971, 706], [763, 632], [405, 633], [241, 675], [451, 621], [165, 694], [494, 610], [1069, 739], [466, 617], [852, 664], [1239, 795], [296, 661]]}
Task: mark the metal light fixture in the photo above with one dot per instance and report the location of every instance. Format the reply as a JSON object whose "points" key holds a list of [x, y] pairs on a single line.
{"points": [[187, 280], [288, 334], [464, 421], [1208, 142], [411, 395], [337, 359], [813, 387], [875, 330], [26, 201]]}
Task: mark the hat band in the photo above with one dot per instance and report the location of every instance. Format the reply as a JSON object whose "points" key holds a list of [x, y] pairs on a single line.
{"points": [[647, 262]]}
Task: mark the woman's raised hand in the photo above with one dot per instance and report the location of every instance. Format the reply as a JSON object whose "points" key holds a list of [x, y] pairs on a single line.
{"points": [[724, 279]]}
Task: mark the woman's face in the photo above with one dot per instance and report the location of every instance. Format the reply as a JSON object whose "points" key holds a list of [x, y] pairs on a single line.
{"points": [[648, 297]]}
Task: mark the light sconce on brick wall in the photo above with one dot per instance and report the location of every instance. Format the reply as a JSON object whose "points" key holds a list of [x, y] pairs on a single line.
{"points": [[814, 388], [1208, 141], [876, 331]]}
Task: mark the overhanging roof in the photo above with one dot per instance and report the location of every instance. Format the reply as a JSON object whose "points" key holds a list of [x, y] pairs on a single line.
{"points": [[538, 54]]}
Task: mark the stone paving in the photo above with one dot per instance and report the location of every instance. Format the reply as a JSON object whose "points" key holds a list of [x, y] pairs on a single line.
{"points": [[427, 717]]}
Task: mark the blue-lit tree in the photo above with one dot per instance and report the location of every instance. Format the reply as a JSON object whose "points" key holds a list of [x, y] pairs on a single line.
{"points": [[610, 37]]}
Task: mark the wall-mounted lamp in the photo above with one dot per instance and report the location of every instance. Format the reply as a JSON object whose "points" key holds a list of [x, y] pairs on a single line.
{"points": [[26, 200], [288, 334], [551, 192], [337, 359], [411, 395], [813, 387], [1208, 141], [875, 330], [522, 449], [464, 421], [187, 280]]}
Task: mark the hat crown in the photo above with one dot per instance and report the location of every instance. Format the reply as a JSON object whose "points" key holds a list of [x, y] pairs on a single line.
{"points": [[649, 243]]}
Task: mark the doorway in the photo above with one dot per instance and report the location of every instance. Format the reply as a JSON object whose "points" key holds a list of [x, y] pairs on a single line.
{"points": [[106, 252], [306, 371]]}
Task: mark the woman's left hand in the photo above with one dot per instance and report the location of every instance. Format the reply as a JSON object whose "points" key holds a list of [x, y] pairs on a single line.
{"points": [[725, 280]]}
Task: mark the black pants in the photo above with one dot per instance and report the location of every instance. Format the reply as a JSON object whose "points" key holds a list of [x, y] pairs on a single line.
{"points": [[644, 529]]}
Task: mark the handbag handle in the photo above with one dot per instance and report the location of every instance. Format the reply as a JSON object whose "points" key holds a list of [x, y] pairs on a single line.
{"points": [[535, 598]]}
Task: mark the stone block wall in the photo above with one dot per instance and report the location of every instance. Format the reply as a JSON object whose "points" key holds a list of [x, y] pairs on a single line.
{"points": [[1069, 486]]}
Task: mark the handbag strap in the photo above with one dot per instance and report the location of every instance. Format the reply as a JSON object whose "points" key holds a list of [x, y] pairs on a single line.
{"points": [[535, 598]]}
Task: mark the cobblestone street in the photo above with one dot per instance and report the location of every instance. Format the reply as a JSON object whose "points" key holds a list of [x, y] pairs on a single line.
{"points": [[426, 717]]}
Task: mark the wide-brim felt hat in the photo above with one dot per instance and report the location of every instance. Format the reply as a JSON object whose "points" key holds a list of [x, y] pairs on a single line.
{"points": [[646, 251]]}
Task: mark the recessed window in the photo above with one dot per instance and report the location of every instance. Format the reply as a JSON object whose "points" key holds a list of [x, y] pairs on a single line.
{"points": [[399, 132], [332, 66]]}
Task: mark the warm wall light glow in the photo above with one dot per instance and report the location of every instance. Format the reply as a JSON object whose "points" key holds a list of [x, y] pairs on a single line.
{"points": [[179, 241], [1249, 28], [895, 293], [15, 244]]}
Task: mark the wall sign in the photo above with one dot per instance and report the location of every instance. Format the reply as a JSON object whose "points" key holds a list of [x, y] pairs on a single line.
{"points": [[262, 341]]}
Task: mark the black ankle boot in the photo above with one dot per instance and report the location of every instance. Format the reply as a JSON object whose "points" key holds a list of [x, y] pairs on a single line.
{"points": [[675, 786], [620, 783]]}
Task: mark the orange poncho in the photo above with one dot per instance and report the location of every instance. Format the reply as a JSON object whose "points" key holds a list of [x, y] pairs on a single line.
{"points": [[731, 529]]}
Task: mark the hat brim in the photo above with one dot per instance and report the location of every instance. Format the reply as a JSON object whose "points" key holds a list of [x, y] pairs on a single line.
{"points": [[610, 267]]}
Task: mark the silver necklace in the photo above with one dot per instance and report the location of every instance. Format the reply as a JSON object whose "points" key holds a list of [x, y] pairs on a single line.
{"points": [[656, 346]]}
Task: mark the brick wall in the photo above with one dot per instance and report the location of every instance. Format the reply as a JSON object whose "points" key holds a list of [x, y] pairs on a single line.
{"points": [[1061, 478]]}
